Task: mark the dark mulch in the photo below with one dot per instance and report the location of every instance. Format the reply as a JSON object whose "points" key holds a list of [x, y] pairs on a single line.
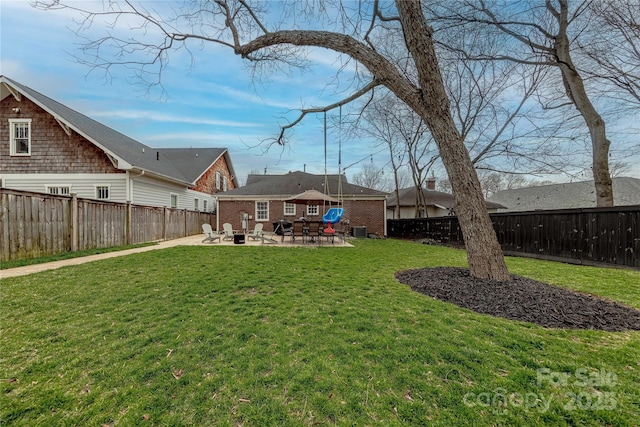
{"points": [[522, 299]]}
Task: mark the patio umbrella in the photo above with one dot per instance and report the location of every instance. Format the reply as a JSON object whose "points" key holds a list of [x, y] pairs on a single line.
{"points": [[311, 197]]}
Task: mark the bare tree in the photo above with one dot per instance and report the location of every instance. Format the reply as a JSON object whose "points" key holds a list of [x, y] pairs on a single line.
{"points": [[613, 44], [370, 176], [493, 182], [389, 120], [242, 26], [543, 35]]}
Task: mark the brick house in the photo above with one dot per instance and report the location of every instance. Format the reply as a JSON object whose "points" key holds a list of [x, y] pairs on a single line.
{"points": [[262, 199], [48, 147]]}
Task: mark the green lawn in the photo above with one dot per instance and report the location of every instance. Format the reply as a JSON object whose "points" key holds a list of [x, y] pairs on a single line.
{"points": [[274, 336]]}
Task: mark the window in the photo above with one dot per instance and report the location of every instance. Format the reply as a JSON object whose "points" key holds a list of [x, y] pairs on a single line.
{"points": [[196, 204], [312, 210], [102, 192], [20, 137], [62, 190], [174, 201], [204, 205], [289, 208], [224, 183], [217, 180], [262, 211]]}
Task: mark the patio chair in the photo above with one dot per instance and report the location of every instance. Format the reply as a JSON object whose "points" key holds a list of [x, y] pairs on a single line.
{"points": [[256, 234], [228, 231], [299, 231], [211, 235], [315, 231]]}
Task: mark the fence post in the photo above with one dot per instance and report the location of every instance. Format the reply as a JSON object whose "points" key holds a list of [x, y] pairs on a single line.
{"points": [[4, 223], [164, 224], [74, 222], [127, 226]]}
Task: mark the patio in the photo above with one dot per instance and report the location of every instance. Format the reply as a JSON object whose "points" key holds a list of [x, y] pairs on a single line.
{"points": [[270, 239]]}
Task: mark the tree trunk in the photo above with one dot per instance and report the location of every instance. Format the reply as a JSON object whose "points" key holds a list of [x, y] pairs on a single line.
{"points": [[430, 102], [574, 86], [484, 253]]}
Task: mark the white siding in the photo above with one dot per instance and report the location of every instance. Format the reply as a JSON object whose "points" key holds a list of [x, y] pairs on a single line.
{"points": [[151, 192], [84, 185], [144, 190]]}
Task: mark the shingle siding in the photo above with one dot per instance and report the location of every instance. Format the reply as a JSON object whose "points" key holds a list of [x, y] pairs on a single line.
{"points": [[52, 150]]}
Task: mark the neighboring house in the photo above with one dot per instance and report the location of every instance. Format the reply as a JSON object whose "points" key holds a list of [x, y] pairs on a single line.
{"points": [[48, 147], [626, 191], [437, 203], [262, 199]]}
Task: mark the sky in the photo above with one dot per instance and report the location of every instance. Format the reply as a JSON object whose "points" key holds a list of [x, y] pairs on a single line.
{"points": [[207, 100], [210, 102]]}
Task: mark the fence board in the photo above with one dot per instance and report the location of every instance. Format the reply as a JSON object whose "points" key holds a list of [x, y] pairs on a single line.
{"points": [[37, 224], [585, 236]]}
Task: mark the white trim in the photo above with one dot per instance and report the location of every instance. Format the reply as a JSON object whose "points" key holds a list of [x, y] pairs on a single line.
{"points": [[284, 209], [12, 137], [48, 187], [171, 195], [108, 186], [258, 219]]}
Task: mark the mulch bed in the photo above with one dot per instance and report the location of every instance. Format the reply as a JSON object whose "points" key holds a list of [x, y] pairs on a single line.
{"points": [[522, 299]]}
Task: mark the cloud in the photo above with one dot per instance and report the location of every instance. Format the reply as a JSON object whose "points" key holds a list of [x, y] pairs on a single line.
{"points": [[169, 118]]}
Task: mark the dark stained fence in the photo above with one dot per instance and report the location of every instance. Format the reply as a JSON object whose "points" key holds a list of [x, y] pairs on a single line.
{"points": [[40, 224], [584, 236]]}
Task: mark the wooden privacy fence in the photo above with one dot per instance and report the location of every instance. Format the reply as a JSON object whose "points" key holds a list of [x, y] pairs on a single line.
{"points": [[584, 236], [39, 224]]}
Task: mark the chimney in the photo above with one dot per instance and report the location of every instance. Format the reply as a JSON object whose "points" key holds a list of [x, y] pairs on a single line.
{"points": [[431, 183]]}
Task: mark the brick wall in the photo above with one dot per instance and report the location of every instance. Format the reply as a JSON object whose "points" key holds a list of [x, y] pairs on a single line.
{"points": [[52, 150], [207, 182], [369, 213]]}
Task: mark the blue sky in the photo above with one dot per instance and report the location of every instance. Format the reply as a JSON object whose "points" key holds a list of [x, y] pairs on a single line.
{"points": [[210, 102]]}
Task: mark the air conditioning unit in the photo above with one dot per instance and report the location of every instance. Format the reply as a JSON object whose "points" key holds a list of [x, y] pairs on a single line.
{"points": [[360, 231]]}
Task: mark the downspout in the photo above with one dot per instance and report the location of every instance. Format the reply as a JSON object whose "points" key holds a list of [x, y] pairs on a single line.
{"points": [[130, 185], [217, 213]]}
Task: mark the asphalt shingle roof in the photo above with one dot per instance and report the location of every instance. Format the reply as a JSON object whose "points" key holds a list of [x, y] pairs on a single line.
{"points": [[178, 164], [626, 191], [431, 197], [296, 182]]}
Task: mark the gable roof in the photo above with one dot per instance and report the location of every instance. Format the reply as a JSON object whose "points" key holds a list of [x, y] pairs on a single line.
{"points": [[626, 191], [126, 153], [431, 197], [278, 186]]}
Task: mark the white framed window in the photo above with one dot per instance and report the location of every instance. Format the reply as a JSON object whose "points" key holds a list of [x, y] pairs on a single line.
{"points": [[103, 192], [289, 209], [196, 204], [262, 211], [225, 185], [313, 210], [217, 180], [20, 137], [173, 201], [204, 205], [59, 190]]}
